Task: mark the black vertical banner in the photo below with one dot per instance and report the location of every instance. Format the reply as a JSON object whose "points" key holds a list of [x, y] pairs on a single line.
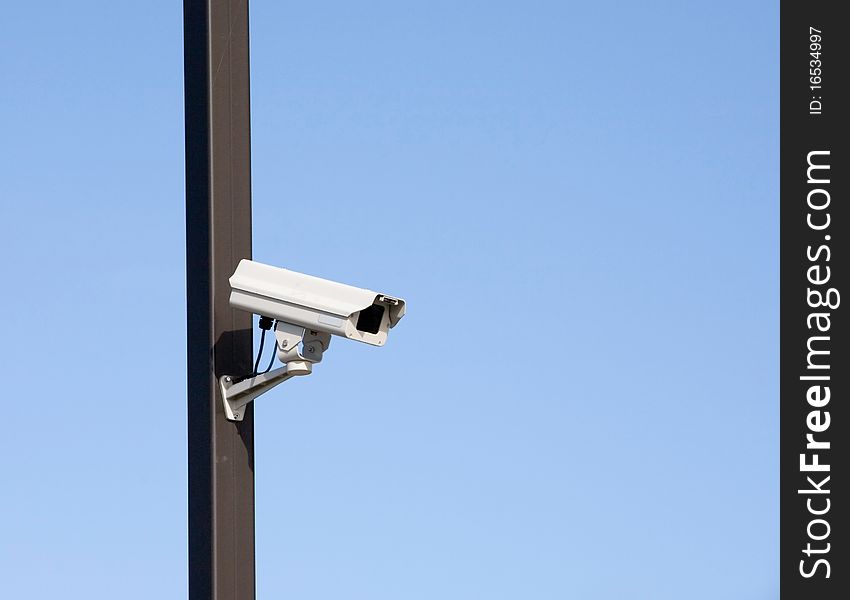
{"points": [[815, 267]]}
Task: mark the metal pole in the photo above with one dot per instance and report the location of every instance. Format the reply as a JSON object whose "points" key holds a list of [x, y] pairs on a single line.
{"points": [[218, 235]]}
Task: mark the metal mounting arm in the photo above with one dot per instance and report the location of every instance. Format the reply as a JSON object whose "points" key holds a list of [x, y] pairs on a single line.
{"points": [[296, 347], [237, 395]]}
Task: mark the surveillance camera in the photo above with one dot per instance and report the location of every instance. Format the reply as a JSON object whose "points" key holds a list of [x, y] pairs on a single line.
{"points": [[308, 310], [314, 303]]}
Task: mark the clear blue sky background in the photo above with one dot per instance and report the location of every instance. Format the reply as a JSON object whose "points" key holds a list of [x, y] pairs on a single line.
{"points": [[578, 200]]}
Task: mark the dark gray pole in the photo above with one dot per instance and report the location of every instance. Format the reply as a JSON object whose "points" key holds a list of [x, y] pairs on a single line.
{"points": [[218, 235]]}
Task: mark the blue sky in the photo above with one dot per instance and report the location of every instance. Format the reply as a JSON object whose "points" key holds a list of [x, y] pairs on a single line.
{"points": [[579, 202]]}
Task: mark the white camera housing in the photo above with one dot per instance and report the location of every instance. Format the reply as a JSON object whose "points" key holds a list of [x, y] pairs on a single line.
{"points": [[308, 311], [314, 303]]}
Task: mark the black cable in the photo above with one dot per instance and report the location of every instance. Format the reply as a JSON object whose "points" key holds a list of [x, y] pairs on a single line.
{"points": [[271, 360], [266, 323], [260, 353]]}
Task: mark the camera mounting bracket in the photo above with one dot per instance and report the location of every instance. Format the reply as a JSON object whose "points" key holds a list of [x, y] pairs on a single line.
{"points": [[296, 347]]}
